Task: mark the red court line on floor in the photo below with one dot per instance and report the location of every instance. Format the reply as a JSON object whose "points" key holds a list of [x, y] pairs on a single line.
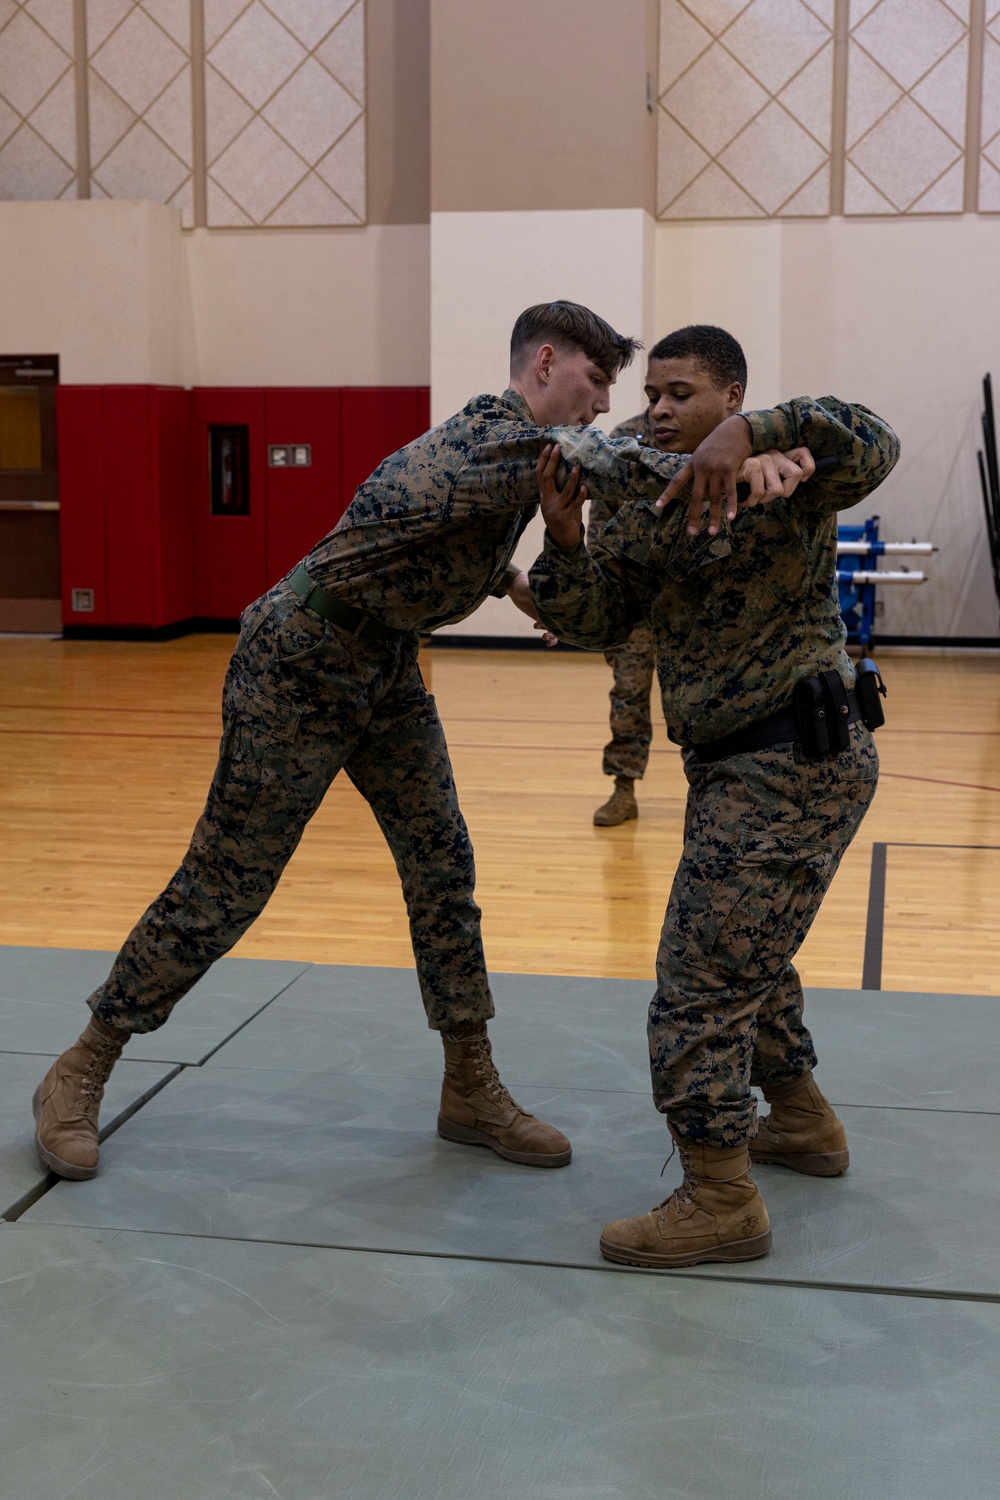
{"points": [[968, 786]]}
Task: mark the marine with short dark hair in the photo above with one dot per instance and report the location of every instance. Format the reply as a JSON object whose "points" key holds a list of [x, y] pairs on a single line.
{"points": [[673, 424], [743, 615]]}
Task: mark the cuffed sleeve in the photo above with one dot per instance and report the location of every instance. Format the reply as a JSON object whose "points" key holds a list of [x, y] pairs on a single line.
{"points": [[502, 588], [580, 600], [864, 445], [621, 468]]}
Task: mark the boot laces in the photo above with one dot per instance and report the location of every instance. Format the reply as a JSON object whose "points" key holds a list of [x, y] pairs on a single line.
{"points": [[486, 1072], [684, 1192], [97, 1072]]}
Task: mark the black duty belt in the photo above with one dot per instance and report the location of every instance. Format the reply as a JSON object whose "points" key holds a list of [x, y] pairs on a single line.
{"points": [[775, 729], [361, 626]]}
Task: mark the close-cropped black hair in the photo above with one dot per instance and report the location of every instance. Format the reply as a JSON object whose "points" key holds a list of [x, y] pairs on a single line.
{"points": [[568, 325], [712, 347]]}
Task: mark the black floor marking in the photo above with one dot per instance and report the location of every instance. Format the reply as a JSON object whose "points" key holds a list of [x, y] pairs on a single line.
{"points": [[871, 973], [602, 1268]]}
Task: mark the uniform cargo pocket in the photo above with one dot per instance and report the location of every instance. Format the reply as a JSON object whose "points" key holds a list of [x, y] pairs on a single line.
{"points": [[258, 742], [758, 912]]}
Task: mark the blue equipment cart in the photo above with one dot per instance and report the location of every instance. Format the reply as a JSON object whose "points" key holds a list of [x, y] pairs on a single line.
{"points": [[858, 575]]}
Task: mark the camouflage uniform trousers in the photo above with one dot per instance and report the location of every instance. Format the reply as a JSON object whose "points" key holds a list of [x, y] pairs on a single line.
{"points": [[302, 700], [764, 834], [633, 665]]}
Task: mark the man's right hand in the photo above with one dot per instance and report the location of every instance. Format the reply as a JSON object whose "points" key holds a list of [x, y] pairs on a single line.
{"points": [[562, 509], [772, 475]]}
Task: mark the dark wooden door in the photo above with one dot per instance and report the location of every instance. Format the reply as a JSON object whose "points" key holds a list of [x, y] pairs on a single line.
{"points": [[29, 493]]}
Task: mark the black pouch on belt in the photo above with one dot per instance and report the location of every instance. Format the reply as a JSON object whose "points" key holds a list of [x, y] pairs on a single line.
{"points": [[823, 713], [870, 690]]}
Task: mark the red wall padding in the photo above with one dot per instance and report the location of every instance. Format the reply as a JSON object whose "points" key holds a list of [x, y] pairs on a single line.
{"points": [[377, 421], [136, 524], [81, 501], [302, 504], [231, 560]]}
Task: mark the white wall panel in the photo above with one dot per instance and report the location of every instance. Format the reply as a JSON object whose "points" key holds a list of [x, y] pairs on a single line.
{"points": [[485, 269]]}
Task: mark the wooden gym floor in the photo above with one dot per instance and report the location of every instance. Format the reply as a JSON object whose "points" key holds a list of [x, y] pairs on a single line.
{"points": [[108, 749]]}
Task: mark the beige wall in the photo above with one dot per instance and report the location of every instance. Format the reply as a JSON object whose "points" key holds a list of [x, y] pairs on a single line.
{"points": [[345, 307], [123, 295], [901, 316], [541, 104], [399, 102], [103, 285]]}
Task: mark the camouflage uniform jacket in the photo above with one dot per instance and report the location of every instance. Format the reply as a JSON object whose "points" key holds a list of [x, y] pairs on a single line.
{"points": [[431, 533], [603, 507], [739, 617]]}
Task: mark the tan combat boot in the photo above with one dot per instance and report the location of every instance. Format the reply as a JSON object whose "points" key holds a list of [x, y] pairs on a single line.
{"points": [[477, 1110], [68, 1098], [716, 1214], [620, 806], [802, 1131]]}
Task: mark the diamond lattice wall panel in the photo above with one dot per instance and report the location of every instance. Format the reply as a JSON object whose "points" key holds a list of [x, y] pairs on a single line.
{"points": [[285, 112], [908, 71], [139, 87], [745, 108], [37, 101], [989, 161]]}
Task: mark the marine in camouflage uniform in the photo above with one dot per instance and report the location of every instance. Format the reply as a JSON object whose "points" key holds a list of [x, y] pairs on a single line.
{"points": [[426, 539], [738, 619], [634, 662]]}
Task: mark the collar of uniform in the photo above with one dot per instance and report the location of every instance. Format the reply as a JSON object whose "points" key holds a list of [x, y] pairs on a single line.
{"points": [[510, 404]]}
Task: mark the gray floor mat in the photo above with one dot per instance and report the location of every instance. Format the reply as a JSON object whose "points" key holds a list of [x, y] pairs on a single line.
{"points": [[162, 1366], [347, 1159], [20, 1075], [875, 1047], [43, 990]]}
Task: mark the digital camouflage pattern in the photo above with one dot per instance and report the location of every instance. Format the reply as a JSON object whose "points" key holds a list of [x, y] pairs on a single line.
{"points": [[432, 531], [603, 507], [633, 663], [739, 617], [764, 834], [426, 538], [633, 666], [737, 620], [302, 700]]}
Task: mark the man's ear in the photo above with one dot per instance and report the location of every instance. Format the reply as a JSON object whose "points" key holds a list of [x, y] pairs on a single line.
{"points": [[734, 396], [544, 360]]}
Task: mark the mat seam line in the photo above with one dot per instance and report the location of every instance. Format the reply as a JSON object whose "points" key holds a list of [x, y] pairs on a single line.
{"points": [[867, 1289]]}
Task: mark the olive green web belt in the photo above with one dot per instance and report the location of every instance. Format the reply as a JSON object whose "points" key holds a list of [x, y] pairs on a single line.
{"points": [[361, 626]]}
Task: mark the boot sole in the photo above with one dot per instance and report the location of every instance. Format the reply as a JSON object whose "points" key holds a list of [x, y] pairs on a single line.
{"points": [[49, 1159], [816, 1164], [739, 1250], [614, 822], [464, 1135]]}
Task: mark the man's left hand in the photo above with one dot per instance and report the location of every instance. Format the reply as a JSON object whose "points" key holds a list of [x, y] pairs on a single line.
{"points": [[520, 594]]}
